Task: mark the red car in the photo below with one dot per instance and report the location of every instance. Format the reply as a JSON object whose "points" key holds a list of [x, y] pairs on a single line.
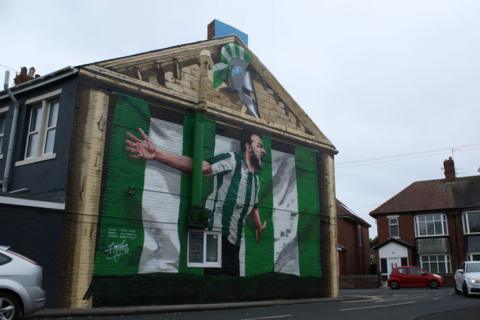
{"points": [[414, 277]]}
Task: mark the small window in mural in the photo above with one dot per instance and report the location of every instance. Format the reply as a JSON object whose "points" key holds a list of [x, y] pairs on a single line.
{"points": [[204, 249]]}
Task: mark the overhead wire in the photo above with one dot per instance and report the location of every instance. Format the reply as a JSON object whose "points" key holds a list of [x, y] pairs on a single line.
{"points": [[405, 156]]}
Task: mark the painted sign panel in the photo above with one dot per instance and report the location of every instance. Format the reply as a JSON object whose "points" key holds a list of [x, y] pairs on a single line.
{"points": [[263, 201]]}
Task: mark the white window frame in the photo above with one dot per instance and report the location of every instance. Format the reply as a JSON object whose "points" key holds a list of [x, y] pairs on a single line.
{"points": [[3, 114], [471, 254], [390, 224], [443, 222], [46, 102], [466, 225], [447, 262], [205, 263]]}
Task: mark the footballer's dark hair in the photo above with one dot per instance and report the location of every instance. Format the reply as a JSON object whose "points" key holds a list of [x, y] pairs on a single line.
{"points": [[247, 137]]}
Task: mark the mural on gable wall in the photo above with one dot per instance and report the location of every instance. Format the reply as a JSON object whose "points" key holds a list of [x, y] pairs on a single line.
{"points": [[232, 70], [263, 201]]}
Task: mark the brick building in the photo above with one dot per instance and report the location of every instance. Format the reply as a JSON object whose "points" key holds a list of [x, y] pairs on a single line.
{"points": [[353, 242], [154, 219], [434, 224]]}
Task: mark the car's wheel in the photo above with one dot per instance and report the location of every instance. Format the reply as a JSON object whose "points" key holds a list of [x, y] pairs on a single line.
{"points": [[434, 284], [394, 285], [9, 306], [465, 289]]}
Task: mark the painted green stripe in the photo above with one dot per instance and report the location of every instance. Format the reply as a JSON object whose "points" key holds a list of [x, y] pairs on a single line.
{"points": [[208, 153], [309, 212], [237, 51], [259, 256], [120, 238], [245, 208], [186, 193], [186, 183], [231, 198]]}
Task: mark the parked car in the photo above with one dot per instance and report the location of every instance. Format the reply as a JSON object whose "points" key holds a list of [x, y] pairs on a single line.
{"points": [[21, 290], [410, 276], [467, 278]]}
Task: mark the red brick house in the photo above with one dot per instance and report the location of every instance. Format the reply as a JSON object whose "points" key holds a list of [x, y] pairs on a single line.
{"points": [[353, 243], [434, 224]]}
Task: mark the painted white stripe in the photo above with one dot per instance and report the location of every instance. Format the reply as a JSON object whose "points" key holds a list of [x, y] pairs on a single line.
{"points": [[380, 306], [161, 203], [269, 317], [32, 203], [285, 213]]}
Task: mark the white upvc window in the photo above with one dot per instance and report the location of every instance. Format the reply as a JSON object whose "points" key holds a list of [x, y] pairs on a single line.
{"points": [[473, 256], [3, 124], [204, 249], [427, 225], [436, 263], [393, 228], [471, 222], [42, 128]]}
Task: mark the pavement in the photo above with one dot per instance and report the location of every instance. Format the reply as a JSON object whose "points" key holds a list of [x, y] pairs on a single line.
{"points": [[52, 313]]}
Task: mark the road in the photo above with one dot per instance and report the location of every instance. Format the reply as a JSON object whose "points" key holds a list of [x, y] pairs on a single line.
{"points": [[384, 304]]}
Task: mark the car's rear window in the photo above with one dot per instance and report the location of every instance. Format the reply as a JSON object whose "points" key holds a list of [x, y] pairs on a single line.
{"points": [[4, 259]]}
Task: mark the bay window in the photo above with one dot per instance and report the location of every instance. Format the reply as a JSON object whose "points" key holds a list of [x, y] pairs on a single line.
{"points": [[431, 225], [436, 263], [471, 222]]}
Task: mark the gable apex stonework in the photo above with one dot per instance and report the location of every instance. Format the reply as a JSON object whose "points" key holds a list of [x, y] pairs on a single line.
{"points": [[177, 69]]}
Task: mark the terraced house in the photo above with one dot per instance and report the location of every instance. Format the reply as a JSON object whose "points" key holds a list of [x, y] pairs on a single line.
{"points": [[185, 174], [434, 224]]}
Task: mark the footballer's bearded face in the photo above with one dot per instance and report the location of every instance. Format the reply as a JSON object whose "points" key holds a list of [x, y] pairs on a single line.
{"points": [[257, 151]]}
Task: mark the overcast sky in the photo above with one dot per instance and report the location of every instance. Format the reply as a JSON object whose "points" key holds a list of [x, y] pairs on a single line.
{"points": [[379, 78]]}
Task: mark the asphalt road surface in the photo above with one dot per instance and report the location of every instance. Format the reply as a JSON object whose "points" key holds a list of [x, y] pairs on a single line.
{"points": [[384, 304]]}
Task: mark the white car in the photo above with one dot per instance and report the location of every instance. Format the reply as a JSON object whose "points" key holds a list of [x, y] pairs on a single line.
{"points": [[467, 278], [21, 290]]}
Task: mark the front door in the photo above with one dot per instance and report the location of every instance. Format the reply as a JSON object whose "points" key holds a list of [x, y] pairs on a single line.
{"points": [[392, 263]]}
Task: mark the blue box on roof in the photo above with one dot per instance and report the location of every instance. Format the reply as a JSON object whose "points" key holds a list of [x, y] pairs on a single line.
{"points": [[218, 29]]}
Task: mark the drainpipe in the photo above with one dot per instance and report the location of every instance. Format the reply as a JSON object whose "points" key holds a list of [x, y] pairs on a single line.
{"points": [[13, 134], [197, 174], [198, 214]]}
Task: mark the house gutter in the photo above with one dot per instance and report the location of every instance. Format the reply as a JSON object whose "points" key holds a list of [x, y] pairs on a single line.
{"points": [[13, 133]]}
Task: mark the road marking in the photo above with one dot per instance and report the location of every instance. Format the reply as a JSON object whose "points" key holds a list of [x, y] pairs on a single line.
{"points": [[269, 317], [364, 299], [381, 306]]}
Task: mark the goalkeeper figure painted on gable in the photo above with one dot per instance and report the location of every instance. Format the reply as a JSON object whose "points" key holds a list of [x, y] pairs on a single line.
{"points": [[235, 194]]}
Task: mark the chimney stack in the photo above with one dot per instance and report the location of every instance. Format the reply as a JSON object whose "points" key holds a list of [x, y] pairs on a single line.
{"points": [[449, 169], [25, 75]]}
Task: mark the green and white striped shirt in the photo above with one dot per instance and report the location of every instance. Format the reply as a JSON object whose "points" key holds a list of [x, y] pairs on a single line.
{"points": [[234, 196]]}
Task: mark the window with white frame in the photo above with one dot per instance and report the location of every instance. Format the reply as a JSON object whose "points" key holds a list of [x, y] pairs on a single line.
{"points": [[471, 222], [474, 256], [3, 123], [393, 226], [436, 263], [431, 225], [204, 249], [42, 127]]}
